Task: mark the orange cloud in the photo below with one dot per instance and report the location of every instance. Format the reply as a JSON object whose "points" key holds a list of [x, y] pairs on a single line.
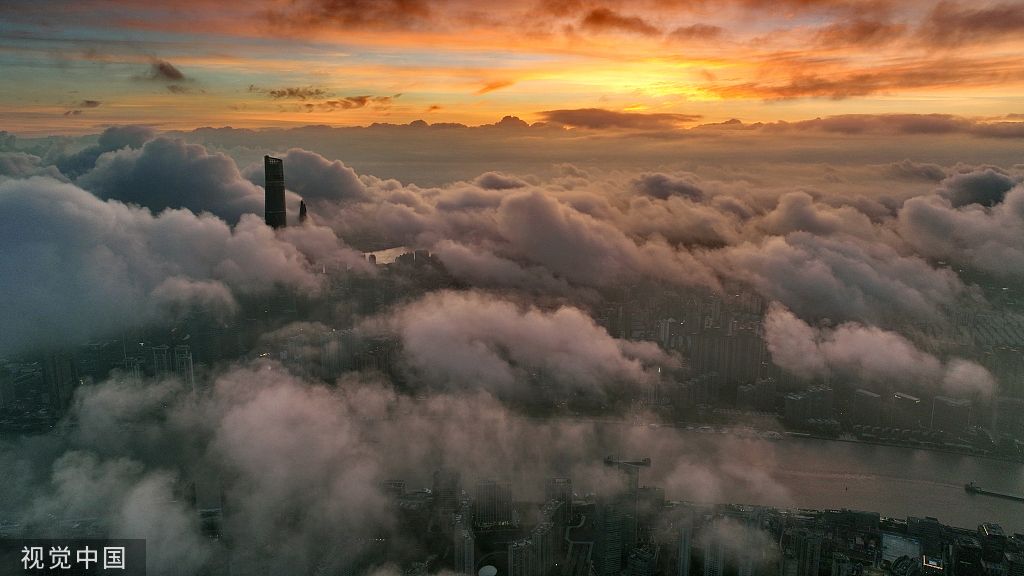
{"points": [[604, 19], [496, 85]]}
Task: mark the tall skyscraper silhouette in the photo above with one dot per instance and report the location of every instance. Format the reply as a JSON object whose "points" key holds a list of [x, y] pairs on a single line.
{"points": [[183, 366], [161, 362], [560, 489], [273, 173], [493, 503]]}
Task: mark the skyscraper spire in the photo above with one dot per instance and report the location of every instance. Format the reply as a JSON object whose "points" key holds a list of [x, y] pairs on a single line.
{"points": [[303, 216], [273, 173]]}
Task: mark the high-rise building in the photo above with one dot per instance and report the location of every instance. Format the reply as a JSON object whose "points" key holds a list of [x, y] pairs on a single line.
{"points": [[842, 565], [993, 542], [642, 562], [929, 532], [544, 540], [393, 488], [273, 173], [759, 395], [60, 377], [183, 366], [493, 503], [303, 215], [1009, 416], [685, 545], [714, 557], [1014, 563], [950, 415], [819, 402], [446, 488], [161, 363], [906, 411], [866, 408], [6, 387], [608, 538], [133, 369], [560, 489], [801, 553], [464, 550], [519, 558]]}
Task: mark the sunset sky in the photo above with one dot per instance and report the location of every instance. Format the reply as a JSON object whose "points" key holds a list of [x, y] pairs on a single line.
{"points": [[518, 236], [76, 67]]}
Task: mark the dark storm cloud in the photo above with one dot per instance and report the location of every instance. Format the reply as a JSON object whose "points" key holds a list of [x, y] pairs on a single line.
{"points": [[23, 165], [113, 138], [954, 23], [598, 118], [167, 173], [662, 186], [987, 187], [986, 239], [608, 20], [164, 71]]}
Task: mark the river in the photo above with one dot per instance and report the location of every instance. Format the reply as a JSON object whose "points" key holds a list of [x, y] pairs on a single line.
{"points": [[894, 481]]}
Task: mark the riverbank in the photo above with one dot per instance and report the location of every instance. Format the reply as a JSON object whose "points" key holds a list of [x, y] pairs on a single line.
{"points": [[931, 448]]}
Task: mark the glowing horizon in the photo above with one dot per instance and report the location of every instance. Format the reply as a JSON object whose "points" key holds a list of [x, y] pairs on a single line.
{"points": [[350, 63]]}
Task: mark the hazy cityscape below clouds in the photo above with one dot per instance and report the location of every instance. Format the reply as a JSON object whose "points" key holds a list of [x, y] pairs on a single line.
{"points": [[587, 288], [334, 394]]}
